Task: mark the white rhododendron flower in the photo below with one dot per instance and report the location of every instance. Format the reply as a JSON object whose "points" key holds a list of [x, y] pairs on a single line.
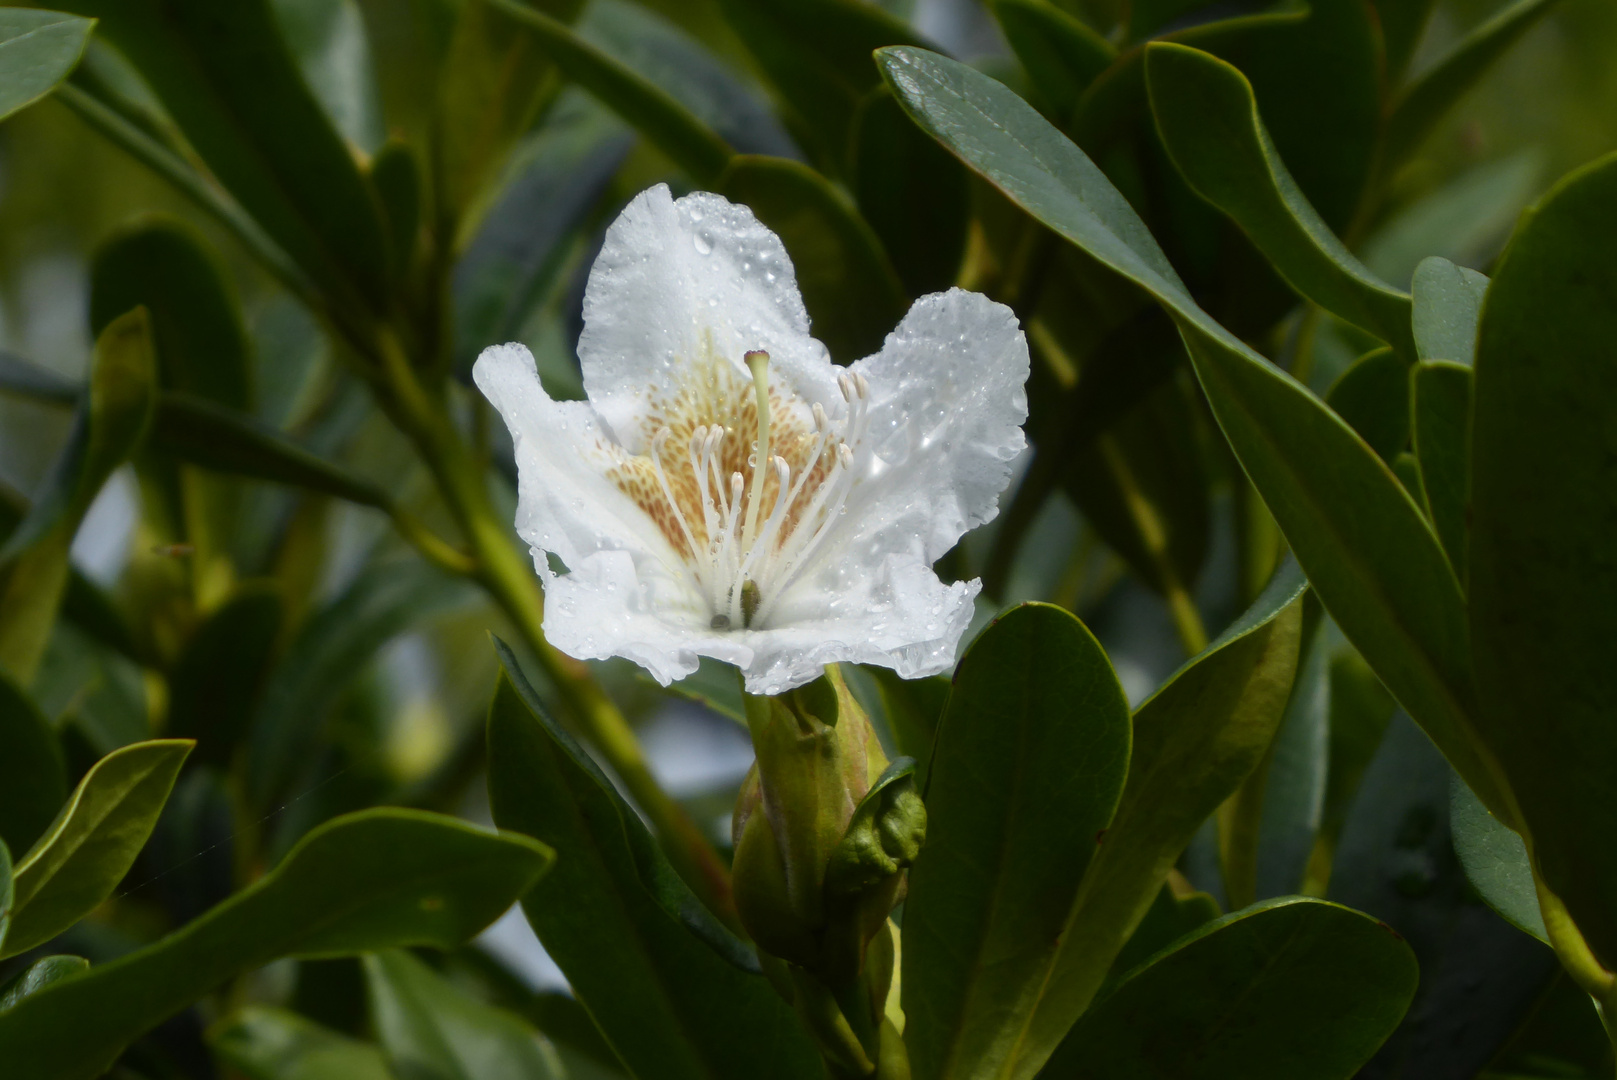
{"points": [[688, 528]]}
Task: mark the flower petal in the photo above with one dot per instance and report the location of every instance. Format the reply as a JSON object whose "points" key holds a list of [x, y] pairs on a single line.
{"points": [[948, 399], [900, 616], [565, 503], [675, 279]]}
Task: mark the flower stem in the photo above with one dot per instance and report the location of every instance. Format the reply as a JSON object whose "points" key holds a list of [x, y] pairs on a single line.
{"points": [[505, 574]]}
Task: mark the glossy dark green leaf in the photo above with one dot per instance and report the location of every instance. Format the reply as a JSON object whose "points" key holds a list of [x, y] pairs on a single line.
{"points": [[196, 321], [38, 975], [1287, 989], [1208, 118], [1361, 709], [914, 193], [377, 879], [202, 433], [664, 53], [431, 1030], [1418, 108], [1367, 549], [215, 683], [1295, 773], [37, 50], [111, 422], [914, 708], [33, 780], [327, 39], [1061, 54], [816, 54], [228, 80], [645, 106], [265, 1043], [620, 922], [1373, 397], [1030, 762], [93, 841], [1441, 417], [1447, 304], [1495, 861], [1195, 740], [1543, 583], [1169, 918], [852, 293], [493, 79], [522, 245]]}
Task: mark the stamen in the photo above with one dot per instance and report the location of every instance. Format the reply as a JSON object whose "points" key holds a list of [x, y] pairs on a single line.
{"points": [[758, 363], [658, 441]]}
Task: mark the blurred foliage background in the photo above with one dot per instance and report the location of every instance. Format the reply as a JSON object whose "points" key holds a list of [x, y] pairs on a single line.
{"points": [[372, 681]]}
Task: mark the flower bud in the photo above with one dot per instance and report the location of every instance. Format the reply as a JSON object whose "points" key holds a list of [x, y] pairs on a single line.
{"points": [[824, 829]]}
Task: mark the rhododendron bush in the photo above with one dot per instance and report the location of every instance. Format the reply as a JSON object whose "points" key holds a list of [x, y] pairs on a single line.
{"points": [[937, 539]]}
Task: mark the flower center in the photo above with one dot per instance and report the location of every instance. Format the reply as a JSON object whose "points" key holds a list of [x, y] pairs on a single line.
{"points": [[746, 514]]}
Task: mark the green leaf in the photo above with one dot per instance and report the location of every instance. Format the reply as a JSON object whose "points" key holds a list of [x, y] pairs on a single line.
{"points": [[265, 1043], [1543, 584], [38, 975], [228, 80], [111, 421], [1142, 485], [377, 879], [7, 892], [1419, 106], [1495, 861], [1030, 762], [659, 49], [646, 107], [215, 683], [224, 440], [93, 841], [1062, 55], [23, 379], [37, 50], [1361, 709], [1294, 775], [914, 708], [1447, 304], [196, 320], [523, 244], [1402, 24], [397, 179], [1464, 220], [816, 53], [433, 1031], [915, 195], [852, 293], [327, 39], [1292, 988], [1373, 397], [1441, 418], [1363, 542], [635, 944], [1208, 118], [33, 780], [1195, 740], [331, 648]]}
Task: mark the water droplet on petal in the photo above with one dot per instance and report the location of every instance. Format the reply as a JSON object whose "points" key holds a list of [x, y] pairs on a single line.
{"points": [[703, 243]]}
